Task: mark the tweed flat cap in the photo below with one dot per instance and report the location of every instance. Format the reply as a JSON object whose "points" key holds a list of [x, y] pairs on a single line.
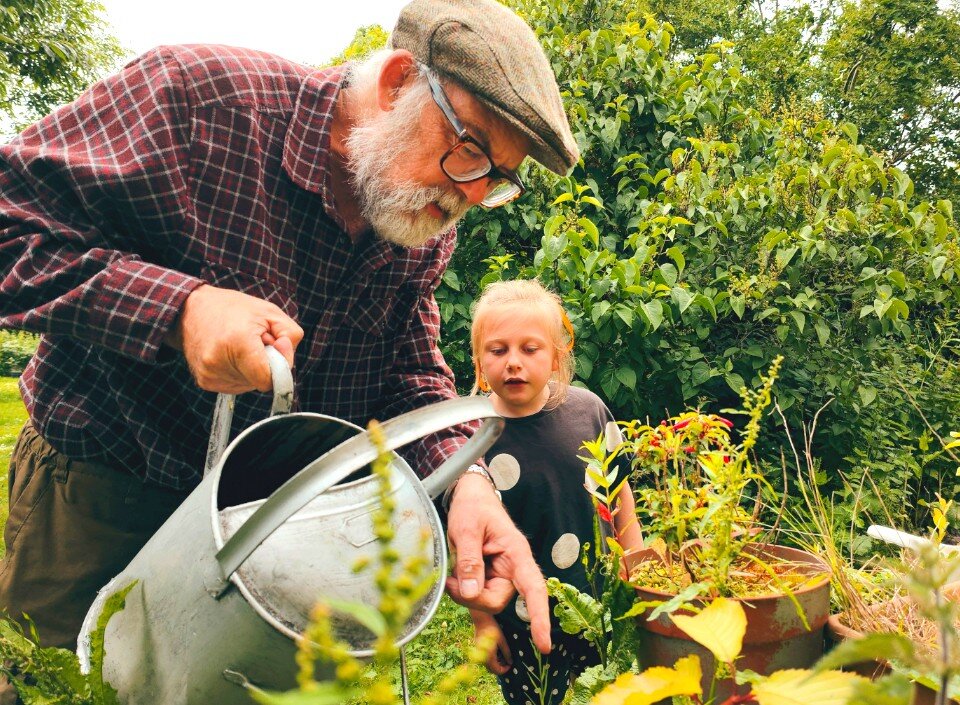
{"points": [[496, 57]]}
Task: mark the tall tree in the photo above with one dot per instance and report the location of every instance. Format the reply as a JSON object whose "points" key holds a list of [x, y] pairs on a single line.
{"points": [[50, 50], [892, 70]]}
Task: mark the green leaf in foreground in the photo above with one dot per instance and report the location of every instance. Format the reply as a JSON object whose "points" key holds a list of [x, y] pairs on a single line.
{"points": [[577, 612], [102, 693]]}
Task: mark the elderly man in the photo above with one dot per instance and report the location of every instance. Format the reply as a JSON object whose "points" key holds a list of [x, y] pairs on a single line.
{"points": [[207, 200]]}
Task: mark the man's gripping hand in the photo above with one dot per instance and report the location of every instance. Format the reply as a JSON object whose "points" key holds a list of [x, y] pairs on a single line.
{"points": [[493, 558], [222, 334]]}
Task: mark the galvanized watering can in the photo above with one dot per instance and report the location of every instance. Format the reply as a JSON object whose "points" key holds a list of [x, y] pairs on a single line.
{"points": [[226, 585]]}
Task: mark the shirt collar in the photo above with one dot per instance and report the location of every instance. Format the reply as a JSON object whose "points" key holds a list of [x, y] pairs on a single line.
{"points": [[306, 147]]}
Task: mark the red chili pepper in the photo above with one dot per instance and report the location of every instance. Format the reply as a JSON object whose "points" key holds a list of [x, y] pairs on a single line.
{"points": [[726, 422], [654, 442], [726, 458], [681, 424], [689, 449], [604, 513]]}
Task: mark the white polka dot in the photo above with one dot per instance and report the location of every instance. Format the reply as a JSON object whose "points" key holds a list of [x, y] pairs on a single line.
{"points": [[612, 436], [505, 471], [525, 687], [565, 551], [522, 609], [554, 692], [520, 652]]}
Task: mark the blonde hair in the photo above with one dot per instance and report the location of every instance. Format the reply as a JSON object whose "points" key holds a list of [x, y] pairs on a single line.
{"points": [[532, 295]]}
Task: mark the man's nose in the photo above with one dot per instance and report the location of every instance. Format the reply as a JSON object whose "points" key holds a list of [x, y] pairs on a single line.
{"points": [[474, 191]]}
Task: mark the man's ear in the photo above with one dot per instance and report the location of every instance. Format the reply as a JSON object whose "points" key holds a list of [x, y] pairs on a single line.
{"points": [[399, 68]]}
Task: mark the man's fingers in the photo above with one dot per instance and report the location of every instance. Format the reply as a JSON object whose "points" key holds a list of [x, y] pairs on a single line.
{"points": [[253, 365], [492, 599], [531, 585], [285, 347]]}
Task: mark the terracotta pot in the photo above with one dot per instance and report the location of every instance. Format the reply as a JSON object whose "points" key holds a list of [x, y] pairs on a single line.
{"points": [[837, 632], [776, 637]]}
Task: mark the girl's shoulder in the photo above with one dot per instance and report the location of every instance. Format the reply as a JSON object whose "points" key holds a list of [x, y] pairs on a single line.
{"points": [[583, 401]]}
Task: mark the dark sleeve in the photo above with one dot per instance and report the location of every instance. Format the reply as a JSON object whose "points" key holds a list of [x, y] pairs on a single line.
{"points": [[420, 375], [80, 194]]}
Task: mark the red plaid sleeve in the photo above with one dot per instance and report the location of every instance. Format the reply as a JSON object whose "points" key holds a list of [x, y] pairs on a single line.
{"points": [[76, 190], [420, 376]]}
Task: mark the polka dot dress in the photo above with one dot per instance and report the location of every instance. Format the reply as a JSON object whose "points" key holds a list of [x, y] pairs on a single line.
{"points": [[536, 468]]}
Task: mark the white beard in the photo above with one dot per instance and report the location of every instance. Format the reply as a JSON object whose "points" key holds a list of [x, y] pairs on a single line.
{"points": [[393, 205]]}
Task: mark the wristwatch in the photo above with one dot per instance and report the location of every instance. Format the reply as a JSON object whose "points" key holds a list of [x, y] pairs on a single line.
{"points": [[474, 469]]}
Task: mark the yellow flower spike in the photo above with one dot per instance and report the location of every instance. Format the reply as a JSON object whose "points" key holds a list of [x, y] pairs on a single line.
{"points": [[719, 627], [800, 687], [653, 685]]}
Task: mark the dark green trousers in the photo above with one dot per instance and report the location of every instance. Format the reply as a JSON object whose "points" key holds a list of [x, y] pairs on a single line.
{"points": [[72, 527]]}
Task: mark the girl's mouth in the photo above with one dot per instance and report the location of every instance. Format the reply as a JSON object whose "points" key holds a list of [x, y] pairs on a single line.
{"points": [[514, 382]]}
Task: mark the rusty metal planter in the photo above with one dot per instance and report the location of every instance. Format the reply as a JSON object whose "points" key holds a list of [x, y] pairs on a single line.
{"points": [[776, 636]]}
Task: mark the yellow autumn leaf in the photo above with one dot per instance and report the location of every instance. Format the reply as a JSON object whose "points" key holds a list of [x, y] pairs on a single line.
{"points": [[653, 685], [719, 627], [800, 687]]}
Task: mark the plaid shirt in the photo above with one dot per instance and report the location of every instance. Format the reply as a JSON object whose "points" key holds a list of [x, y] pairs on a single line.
{"points": [[194, 165]]}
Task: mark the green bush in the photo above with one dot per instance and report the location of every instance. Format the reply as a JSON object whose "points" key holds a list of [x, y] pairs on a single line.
{"points": [[700, 238], [16, 349]]}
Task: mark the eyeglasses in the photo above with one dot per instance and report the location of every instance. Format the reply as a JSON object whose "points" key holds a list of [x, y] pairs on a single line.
{"points": [[467, 160]]}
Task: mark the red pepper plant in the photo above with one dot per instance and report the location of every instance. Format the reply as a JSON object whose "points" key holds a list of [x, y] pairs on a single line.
{"points": [[698, 493]]}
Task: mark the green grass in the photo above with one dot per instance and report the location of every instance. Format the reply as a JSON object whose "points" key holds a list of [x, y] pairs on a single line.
{"points": [[12, 416], [439, 648]]}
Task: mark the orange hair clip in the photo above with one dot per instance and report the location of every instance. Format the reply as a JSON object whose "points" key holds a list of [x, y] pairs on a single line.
{"points": [[568, 327]]}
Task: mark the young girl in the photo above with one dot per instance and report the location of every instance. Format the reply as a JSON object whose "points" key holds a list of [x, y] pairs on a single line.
{"points": [[522, 350]]}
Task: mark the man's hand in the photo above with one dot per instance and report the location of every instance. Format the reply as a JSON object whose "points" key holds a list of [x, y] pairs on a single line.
{"points": [[493, 557], [499, 658], [222, 334]]}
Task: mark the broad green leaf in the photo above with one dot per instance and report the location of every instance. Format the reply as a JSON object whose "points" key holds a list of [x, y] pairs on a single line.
{"points": [[937, 266], [590, 229], [681, 297], [654, 313], [654, 684], [627, 377], [897, 278], [801, 687], [799, 319], [562, 198], [451, 279], [676, 254], [593, 201], [737, 305], [867, 394], [719, 627], [823, 331], [577, 612], [735, 382], [701, 373]]}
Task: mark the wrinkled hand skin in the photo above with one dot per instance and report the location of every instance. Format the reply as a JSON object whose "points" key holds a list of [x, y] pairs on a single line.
{"points": [[493, 558], [222, 334]]}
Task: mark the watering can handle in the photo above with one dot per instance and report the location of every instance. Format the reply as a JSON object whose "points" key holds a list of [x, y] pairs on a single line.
{"points": [[353, 454], [223, 410]]}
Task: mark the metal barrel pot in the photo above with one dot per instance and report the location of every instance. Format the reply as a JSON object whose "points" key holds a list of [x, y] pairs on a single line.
{"points": [[776, 637], [224, 589]]}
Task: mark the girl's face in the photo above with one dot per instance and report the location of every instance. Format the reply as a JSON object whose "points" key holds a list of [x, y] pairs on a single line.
{"points": [[517, 357]]}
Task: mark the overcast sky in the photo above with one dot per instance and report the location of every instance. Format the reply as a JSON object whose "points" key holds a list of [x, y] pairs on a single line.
{"points": [[309, 31]]}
